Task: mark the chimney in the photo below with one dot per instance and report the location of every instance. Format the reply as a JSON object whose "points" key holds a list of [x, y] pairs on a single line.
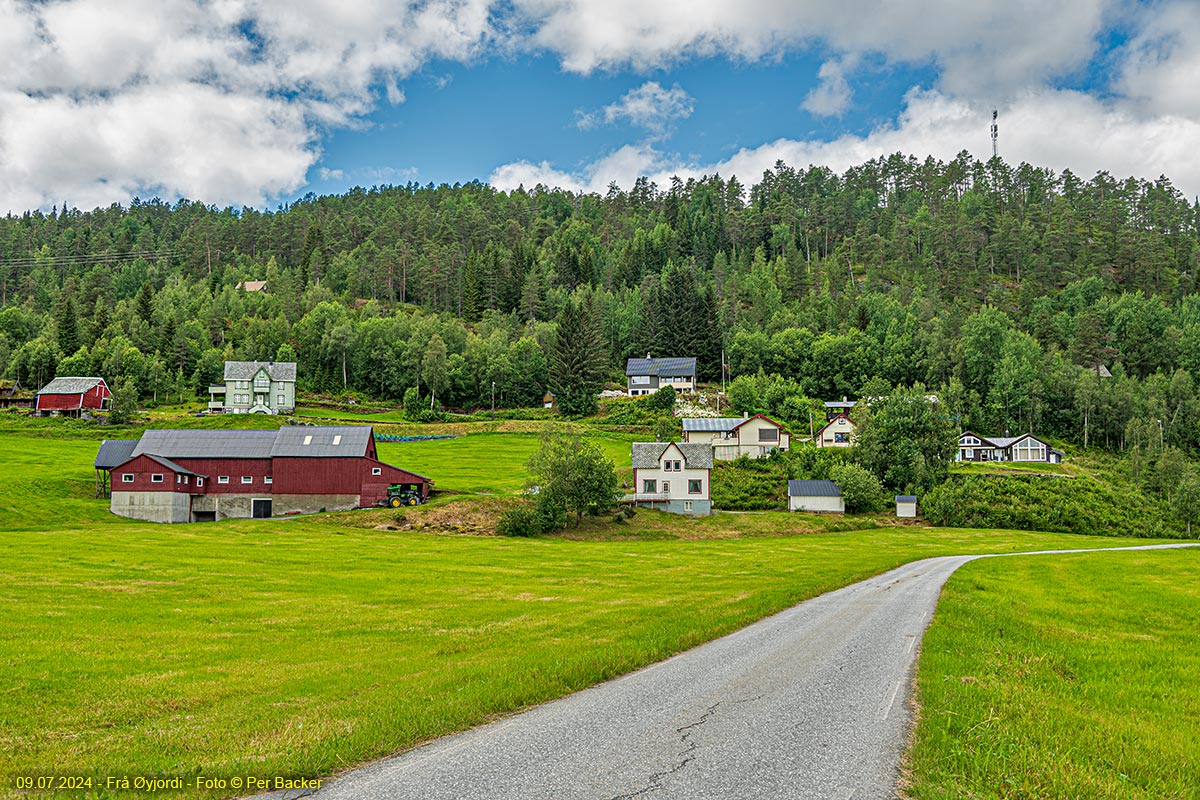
{"points": [[745, 415], [844, 399], [1006, 433], [647, 355]]}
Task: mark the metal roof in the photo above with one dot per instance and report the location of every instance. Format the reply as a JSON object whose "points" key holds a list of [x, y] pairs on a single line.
{"points": [[705, 424], [69, 385], [841, 403], [207, 444], [171, 465], [114, 452], [245, 370], [302, 441], [906, 498], [660, 366], [813, 489], [646, 455]]}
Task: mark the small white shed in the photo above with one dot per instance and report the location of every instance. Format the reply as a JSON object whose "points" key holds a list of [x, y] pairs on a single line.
{"points": [[906, 505], [815, 496]]}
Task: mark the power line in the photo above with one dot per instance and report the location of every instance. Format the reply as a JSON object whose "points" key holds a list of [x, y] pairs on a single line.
{"points": [[84, 260]]}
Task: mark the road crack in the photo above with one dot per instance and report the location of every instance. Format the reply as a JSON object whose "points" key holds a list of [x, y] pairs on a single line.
{"points": [[687, 754]]}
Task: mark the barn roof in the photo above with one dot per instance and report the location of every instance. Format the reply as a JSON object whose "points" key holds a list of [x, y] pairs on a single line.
{"points": [[171, 465], [695, 455], [245, 370], [114, 452], [813, 489], [302, 441], [206, 444], [660, 366], [70, 385]]}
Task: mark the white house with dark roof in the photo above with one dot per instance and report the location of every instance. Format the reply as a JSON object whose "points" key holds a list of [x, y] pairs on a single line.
{"points": [[255, 387], [838, 432], [648, 375], [1023, 448], [815, 496], [672, 476], [732, 437]]}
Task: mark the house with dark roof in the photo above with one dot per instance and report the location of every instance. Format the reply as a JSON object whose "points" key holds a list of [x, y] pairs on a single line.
{"points": [[1026, 448], [732, 437], [73, 396], [255, 387], [648, 375], [815, 496], [673, 477], [205, 475], [13, 396], [838, 432]]}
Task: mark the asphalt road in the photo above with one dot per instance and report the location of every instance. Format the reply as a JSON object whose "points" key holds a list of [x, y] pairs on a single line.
{"points": [[809, 703]]}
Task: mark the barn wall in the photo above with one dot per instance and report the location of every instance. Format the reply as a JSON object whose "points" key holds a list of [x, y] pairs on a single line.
{"points": [[152, 506], [57, 402], [141, 468], [234, 468], [94, 398], [317, 475], [312, 503]]}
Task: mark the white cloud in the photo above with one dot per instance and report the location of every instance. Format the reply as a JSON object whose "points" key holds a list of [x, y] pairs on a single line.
{"points": [[1058, 129], [1161, 65], [623, 167], [220, 100], [649, 106], [831, 97]]}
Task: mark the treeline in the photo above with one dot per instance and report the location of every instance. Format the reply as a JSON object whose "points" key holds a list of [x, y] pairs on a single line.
{"points": [[1000, 288]]}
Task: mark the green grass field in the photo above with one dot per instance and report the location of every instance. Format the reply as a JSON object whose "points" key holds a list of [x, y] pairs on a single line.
{"points": [[1066, 677]]}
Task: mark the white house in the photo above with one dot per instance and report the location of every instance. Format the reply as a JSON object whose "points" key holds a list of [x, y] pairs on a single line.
{"points": [[1027, 448], [732, 437], [648, 375], [815, 496], [672, 476], [838, 432]]}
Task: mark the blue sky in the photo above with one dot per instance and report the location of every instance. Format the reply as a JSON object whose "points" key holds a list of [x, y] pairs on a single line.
{"points": [[235, 104]]}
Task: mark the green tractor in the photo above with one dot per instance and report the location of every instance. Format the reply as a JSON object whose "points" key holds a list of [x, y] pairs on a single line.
{"points": [[400, 494]]}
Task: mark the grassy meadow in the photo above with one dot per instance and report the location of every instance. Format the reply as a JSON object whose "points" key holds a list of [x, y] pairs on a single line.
{"points": [[305, 646], [1069, 676]]}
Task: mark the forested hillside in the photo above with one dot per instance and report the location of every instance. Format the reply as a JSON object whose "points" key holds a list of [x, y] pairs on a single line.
{"points": [[995, 286]]}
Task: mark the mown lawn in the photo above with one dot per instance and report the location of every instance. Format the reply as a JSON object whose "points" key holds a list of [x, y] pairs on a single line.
{"points": [[1063, 677]]}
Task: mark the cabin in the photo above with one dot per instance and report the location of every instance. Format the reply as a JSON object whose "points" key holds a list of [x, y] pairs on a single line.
{"points": [[815, 496], [1025, 448], [13, 396], [673, 477], [838, 432], [648, 375], [73, 396], [732, 437], [252, 286], [906, 506], [206, 475]]}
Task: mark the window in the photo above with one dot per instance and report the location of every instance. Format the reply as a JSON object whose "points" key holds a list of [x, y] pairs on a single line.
{"points": [[687, 505], [199, 481], [666, 487], [695, 487], [639, 379], [185, 480], [649, 487], [268, 479], [247, 479], [127, 478], [337, 440], [156, 478], [768, 434], [307, 440], [222, 479], [841, 437], [280, 399], [376, 470]]}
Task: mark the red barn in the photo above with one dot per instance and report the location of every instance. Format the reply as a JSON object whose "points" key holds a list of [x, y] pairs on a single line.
{"points": [[73, 395], [191, 476]]}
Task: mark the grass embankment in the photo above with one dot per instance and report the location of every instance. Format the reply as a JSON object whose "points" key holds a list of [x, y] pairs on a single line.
{"points": [[1062, 677]]}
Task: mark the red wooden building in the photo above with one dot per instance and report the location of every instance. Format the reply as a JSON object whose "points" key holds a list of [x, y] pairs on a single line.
{"points": [[73, 395], [191, 476]]}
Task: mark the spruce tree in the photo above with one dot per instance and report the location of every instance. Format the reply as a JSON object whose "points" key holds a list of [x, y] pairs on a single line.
{"points": [[579, 361], [67, 324]]}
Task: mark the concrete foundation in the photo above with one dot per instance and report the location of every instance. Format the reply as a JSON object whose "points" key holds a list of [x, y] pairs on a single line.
{"points": [[153, 506], [699, 508], [312, 503]]}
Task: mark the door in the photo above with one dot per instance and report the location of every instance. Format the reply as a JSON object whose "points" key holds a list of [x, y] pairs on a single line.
{"points": [[260, 509]]}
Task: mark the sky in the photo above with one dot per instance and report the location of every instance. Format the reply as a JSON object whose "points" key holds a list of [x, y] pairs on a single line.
{"points": [[243, 103]]}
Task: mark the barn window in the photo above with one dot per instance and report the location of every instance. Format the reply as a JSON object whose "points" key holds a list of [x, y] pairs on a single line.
{"points": [[267, 479], [185, 480], [308, 440], [199, 481], [222, 479], [337, 439], [247, 479], [376, 470], [156, 477], [127, 478]]}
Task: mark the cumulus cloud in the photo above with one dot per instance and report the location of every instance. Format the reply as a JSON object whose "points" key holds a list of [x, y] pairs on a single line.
{"points": [[222, 101], [622, 167], [831, 97], [1161, 63], [649, 106], [1058, 129]]}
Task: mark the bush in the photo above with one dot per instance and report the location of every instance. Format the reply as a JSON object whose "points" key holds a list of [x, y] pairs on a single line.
{"points": [[861, 490], [531, 519], [662, 400]]}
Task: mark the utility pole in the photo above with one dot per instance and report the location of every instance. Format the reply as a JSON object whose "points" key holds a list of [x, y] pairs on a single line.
{"points": [[995, 134], [493, 401]]}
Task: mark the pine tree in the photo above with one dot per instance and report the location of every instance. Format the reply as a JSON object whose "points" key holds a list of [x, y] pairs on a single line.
{"points": [[67, 324], [579, 360]]}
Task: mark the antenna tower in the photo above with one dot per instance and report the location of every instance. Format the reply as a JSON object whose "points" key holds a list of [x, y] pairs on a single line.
{"points": [[995, 134]]}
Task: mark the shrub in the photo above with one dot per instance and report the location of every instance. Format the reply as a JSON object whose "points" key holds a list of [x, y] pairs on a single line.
{"points": [[861, 490], [663, 399]]}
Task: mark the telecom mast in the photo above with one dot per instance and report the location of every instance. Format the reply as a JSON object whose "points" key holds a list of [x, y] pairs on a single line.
{"points": [[995, 134]]}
